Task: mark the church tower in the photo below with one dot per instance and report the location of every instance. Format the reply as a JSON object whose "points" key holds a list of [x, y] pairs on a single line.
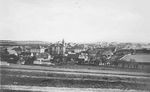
{"points": [[64, 46]]}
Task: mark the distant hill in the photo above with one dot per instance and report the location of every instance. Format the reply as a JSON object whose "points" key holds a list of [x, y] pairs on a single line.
{"points": [[11, 43]]}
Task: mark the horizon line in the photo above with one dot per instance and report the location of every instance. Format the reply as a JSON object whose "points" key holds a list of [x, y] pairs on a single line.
{"points": [[79, 42]]}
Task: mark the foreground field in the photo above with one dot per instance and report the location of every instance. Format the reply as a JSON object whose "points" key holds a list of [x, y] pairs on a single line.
{"points": [[18, 77], [8, 88]]}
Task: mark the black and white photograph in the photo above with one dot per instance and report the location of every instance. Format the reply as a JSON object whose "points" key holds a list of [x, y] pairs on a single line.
{"points": [[74, 45]]}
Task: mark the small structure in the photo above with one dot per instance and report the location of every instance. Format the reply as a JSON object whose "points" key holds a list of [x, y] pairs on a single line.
{"points": [[124, 52], [43, 56], [140, 61], [76, 48], [83, 56], [18, 50], [43, 59], [37, 49]]}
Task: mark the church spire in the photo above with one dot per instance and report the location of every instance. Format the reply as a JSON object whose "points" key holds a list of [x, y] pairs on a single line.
{"points": [[64, 48], [63, 41]]}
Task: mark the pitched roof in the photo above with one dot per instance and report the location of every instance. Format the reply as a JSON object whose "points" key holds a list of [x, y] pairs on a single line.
{"points": [[17, 49], [137, 58]]}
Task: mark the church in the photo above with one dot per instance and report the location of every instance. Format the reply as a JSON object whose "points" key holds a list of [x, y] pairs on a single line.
{"points": [[58, 48]]}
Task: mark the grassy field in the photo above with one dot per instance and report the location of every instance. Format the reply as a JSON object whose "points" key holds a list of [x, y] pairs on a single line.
{"points": [[17, 88], [41, 76]]}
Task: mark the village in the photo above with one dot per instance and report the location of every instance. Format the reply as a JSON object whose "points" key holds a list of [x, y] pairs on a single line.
{"points": [[73, 66], [134, 56], [74, 46]]}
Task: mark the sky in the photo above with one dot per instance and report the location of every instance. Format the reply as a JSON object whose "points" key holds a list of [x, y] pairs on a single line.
{"points": [[75, 20]]}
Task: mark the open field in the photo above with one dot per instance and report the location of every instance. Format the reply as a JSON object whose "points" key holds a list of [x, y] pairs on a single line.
{"points": [[41, 76], [7, 88], [74, 67]]}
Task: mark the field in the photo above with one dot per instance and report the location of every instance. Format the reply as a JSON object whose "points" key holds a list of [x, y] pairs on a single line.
{"points": [[19, 77]]}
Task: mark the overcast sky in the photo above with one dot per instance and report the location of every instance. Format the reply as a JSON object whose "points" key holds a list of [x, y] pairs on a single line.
{"points": [[75, 20]]}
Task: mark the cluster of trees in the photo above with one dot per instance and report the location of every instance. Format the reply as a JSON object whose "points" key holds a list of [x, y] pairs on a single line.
{"points": [[12, 58]]}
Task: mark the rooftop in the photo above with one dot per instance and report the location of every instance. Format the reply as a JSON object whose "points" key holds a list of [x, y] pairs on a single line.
{"points": [[137, 58]]}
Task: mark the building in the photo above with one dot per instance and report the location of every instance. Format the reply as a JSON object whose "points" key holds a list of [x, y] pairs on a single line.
{"points": [[18, 50], [124, 52], [37, 49], [11, 51], [43, 56], [58, 48], [84, 56], [76, 49], [140, 61]]}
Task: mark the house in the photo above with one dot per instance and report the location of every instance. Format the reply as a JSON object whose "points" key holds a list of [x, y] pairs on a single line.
{"points": [[76, 49], [43, 56], [11, 51], [108, 54], [92, 52], [37, 49], [124, 52], [140, 61], [43, 59], [84, 56], [146, 47], [142, 51], [72, 57], [18, 50]]}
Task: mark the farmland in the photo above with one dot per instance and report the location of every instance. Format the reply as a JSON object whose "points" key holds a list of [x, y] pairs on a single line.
{"points": [[21, 76]]}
